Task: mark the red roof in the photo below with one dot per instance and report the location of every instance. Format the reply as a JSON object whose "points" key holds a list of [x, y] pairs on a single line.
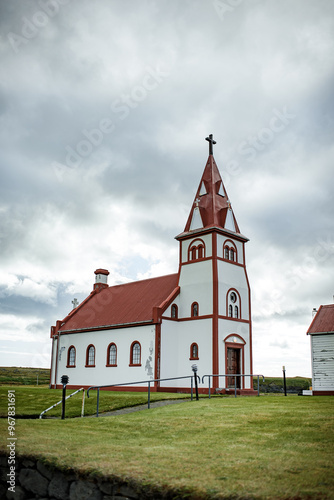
{"points": [[212, 199], [323, 321], [122, 304]]}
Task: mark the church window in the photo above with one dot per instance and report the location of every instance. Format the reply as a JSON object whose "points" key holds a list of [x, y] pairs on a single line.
{"points": [[196, 250], [233, 304], [174, 311], [135, 354], [194, 309], [112, 355], [71, 357], [230, 251], [194, 351], [200, 251], [90, 356]]}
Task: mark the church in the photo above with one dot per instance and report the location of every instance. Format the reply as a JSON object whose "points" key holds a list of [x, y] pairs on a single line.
{"points": [[157, 328]]}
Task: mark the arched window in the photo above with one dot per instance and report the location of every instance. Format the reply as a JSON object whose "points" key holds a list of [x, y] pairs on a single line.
{"points": [[233, 304], [135, 354], [200, 251], [194, 309], [230, 251], [90, 356], [112, 355], [196, 250], [194, 351], [174, 311], [71, 357]]}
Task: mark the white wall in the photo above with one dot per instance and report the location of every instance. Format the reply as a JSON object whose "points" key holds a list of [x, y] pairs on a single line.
{"points": [[176, 339], [101, 374], [322, 347]]}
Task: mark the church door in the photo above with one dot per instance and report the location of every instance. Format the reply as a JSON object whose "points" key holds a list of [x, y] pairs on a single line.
{"points": [[233, 366]]}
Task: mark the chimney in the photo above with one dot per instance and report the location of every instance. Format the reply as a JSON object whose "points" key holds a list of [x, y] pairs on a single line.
{"points": [[314, 312], [101, 279]]}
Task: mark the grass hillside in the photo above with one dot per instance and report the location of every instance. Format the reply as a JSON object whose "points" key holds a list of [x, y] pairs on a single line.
{"points": [[24, 376]]}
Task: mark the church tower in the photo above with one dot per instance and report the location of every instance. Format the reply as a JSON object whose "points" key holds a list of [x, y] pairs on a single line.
{"points": [[213, 308]]}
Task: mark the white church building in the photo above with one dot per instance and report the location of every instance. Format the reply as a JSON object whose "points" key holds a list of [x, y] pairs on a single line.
{"points": [[158, 328]]}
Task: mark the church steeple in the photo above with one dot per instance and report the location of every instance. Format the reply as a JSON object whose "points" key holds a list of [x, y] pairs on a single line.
{"points": [[211, 206]]}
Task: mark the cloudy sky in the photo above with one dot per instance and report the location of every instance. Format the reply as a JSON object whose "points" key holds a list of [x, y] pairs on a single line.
{"points": [[105, 106]]}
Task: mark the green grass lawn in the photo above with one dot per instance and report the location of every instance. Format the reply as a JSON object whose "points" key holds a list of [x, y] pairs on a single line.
{"points": [[31, 401], [266, 447]]}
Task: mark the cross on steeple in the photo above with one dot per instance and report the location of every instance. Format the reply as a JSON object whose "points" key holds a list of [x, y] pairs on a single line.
{"points": [[211, 142]]}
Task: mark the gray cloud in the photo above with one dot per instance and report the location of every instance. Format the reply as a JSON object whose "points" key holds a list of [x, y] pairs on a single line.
{"points": [[104, 110]]}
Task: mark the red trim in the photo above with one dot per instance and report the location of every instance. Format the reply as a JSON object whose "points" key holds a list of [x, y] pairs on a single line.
{"points": [[108, 354], [106, 327], [230, 262], [249, 316], [68, 357], [192, 318], [195, 261], [87, 350], [235, 335], [166, 303], [52, 348], [211, 229], [131, 353], [57, 353], [323, 393], [157, 354], [234, 319], [215, 312]]}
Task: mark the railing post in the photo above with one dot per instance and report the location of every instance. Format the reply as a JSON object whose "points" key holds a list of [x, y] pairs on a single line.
{"points": [[191, 392], [235, 386], [258, 385], [209, 386], [149, 395], [97, 401], [83, 403]]}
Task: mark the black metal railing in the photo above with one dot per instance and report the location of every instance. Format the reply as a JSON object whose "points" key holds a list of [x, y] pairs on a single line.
{"points": [[148, 382], [231, 375]]}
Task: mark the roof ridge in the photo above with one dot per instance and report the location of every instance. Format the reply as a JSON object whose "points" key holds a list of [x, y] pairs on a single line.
{"points": [[141, 281]]}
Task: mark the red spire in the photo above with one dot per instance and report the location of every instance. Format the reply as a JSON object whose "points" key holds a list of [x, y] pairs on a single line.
{"points": [[211, 207]]}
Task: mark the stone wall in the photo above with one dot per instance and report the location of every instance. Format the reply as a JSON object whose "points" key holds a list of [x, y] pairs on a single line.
{"points": [[35, 480]]}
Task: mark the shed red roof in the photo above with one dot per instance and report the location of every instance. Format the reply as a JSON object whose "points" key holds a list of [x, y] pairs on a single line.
{"points": [[323, 321], [122, 304]]}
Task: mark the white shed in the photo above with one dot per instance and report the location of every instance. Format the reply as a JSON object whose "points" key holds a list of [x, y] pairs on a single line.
{"points": [[322, 351]]}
